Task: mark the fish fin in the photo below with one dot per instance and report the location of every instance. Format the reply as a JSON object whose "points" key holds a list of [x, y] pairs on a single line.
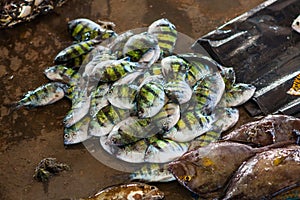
{"points": [[285, 189]]}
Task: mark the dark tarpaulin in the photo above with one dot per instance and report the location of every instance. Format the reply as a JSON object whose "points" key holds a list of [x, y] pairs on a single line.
{"points": [[264, 51]]}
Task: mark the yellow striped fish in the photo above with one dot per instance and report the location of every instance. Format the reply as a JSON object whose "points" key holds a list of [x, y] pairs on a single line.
{"points": [[109, 116], [62, 73], [77, 133], [205, 139], [117, 45], [190, 125], [129, 131], [152, 173], [99, 99], [165, 150], [74, 51], [123, 96], [179, 91], [208, 92], [173, 67], [112, 70], [142, 48], [43, 95], [166, 118], [84, 29], [166, 34], [132, 153], [295, 89], [228, 76], [199, 66], [80, 107], [150, 99], [237, 95]]}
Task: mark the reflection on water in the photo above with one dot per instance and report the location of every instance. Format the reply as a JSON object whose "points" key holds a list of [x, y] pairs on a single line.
{"points": [[27, 49]]}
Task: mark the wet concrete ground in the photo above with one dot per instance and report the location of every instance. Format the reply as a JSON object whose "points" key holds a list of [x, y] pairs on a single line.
{"points": [[27, 136]]}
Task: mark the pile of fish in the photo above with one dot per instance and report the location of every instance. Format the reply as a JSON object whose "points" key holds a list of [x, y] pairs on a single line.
{"points": [[146, 103], [259, 160], [25, 10]]}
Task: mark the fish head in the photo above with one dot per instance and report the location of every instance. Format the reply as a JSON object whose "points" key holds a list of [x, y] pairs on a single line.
{"points": [[185, 173], [71, 137], [195, 170], [76, 133], [296, 24]]}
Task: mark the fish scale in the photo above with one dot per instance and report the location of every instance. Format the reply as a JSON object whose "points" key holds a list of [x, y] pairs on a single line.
{"points": [[150, 99]]}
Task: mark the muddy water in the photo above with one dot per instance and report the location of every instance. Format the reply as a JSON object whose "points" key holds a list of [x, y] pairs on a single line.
{"points": [[27, 136]]}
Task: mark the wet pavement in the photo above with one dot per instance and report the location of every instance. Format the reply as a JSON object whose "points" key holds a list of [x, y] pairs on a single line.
{"points": [[27, 136]]}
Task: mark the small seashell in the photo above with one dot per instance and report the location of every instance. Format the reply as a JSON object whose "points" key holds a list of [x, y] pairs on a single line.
{"points": [[26, 10], [38, 2]]}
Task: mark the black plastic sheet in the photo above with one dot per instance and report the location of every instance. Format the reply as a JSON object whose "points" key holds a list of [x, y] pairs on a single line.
{"points": [[264, 51]]}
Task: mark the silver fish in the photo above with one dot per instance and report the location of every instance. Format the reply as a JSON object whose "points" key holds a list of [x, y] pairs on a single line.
{"points": [[77, 133], [163, 151], [130, 191], [152, 173], [43, 95], [296, 24]]}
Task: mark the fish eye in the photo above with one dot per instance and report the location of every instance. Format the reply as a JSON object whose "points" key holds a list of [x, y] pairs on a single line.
{"points": [[152, 187], [187, 178], [66, 136], [297, 23]]}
